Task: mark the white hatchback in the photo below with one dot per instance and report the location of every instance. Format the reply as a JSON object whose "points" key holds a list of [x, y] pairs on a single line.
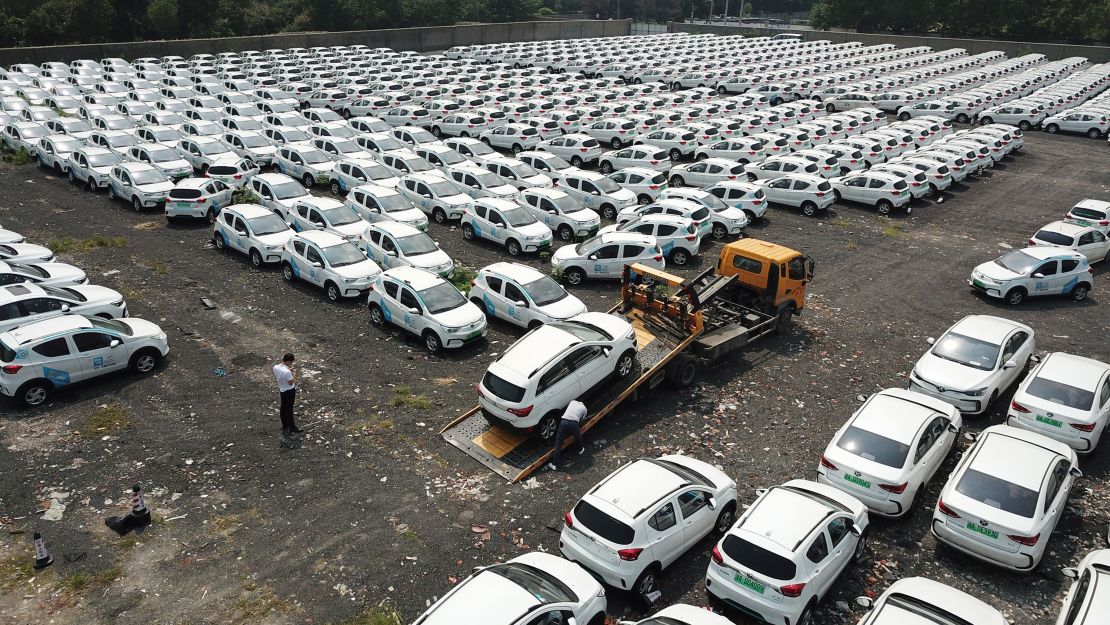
{"points": [[605, 255], [394, 244], [1089, 595], [328, 215], [1087, 240], [564, 215], [1066, 398], [522, 296]]}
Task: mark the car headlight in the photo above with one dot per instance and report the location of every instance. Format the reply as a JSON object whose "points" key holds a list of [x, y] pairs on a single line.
{"points": [[160, 337], [452, 330], [118, 304], [351, 280], [976, 392]]}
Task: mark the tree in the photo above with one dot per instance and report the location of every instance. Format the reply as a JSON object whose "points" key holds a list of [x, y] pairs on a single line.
{"points": [[162, 16]]}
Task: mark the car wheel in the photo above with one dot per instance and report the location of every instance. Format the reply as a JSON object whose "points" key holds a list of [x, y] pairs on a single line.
{"points": [[677, 181], [548, 426], [701, 157], [485, 140], [751, 216], [218, 241], [606, 167], [963, 118], [720, 232], [608, 211], [884, 207], [72, 176], [439, 216], [565, 233], [308, 181], [724, 519], [721, 91], [287, 272], [136, 204], [35, 393], [1052, 129], [1094, 133], [512, 247], [145, 360], [468, 231], [990, 402], [256, 259], [432, 342], [1015, 296], [111, 193], [645, 584], [574, 276], [211, 216], [752, 178], [861, 549], [830, 108], [626, 364], [576, 161], [806, 617], [464, 134], [1079, 293], [346, 114], [332, 291], [809, 209], [1024, 125], [680, 258], [436, 132], [517, 148], [643, 200], [376, 316], [616, 143], [933, 190], [676, 155], [904, 116], [335, 190]]}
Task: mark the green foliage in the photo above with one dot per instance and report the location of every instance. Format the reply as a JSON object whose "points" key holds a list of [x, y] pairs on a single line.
{"points": [[462, 277], [162, 15], [245, 196], [17, 157]]}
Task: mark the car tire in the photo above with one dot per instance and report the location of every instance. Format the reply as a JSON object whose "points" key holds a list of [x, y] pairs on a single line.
{"points": [[548, 426], [377, 317], [287, 272], [608, 211], [626, 364], [565, 233], [335, 190], [332, 291], [308, 181], [111, 192], [432, 344], [211, 216], [574, 276], [468, 232], [1015, 296], [701, 157], [1052, 129], [145, 360], [809, 209], [1080, 291], [680, 258], [436, 132], [785, 316], [884, 207], [861, 549], [485, 140], [752, 218], [719, 232], [256, 259], [439, 216], [218, 241], [646, 582], [725, 518], [513, 247], [806, 617], [963, 118], [752, 178], [1024, 125], [576, 161], [517, 148], [136, 204], [606, 167], [904, 117], [675, 155], [35, 393], [616, 143], [1094, 133], [677, 181], [643, 200], [346, 113], [830, 108]]}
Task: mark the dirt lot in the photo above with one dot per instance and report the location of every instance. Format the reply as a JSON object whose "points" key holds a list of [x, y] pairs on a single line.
{"points": [[376, 510]]}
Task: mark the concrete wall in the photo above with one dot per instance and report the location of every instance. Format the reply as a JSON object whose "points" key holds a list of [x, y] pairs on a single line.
{"points": [[428, 39], [1054, 51]]}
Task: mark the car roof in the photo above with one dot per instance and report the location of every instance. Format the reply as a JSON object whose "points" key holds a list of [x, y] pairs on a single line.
{"points": [[473, 599], [249, 211], [1094, 204], [899, 414], [951, 600], [1072, 370], [46, 327], [320, 202], [1068, 228], [416, 278], [192, 183], [513, 271], [675, 220], [1051, 253], [627, 237], [320, 237], [637, 486], [274, 178], [986, 327], [394, 228], [785, 516], [996, 450]]}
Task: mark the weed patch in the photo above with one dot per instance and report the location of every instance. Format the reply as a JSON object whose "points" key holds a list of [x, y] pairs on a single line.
{"points": [[107, 419], [462, 277], [379, 615], [83, 581], [403, 397], [66, 245]]}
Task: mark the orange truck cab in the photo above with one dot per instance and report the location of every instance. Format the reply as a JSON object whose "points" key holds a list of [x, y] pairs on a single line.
{"points": [[770, 277]]}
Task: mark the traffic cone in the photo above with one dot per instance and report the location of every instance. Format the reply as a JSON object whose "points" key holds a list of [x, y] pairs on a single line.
{"points": [[43, 558], [138, 519]]}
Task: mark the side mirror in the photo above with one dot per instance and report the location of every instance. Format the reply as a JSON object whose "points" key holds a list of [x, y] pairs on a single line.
{"points": [[865, 602], [1038, 276], [1075, 472], [571, 621], [930, 340], [427, 196], [952, 428], [241, 233], [520, 304], [593, 257], [414, 311], [1035, 358], [1009, 364], [115, 343], [65, 307], [267, 196], [712, 503], [1070, 573], [552, 211], [317, 265], [474, 186], [760, 491], [391, 252], [970, 436], [855, 530]]}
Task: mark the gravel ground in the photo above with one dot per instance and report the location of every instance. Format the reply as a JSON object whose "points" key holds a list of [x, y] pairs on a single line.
{"points": [[376, 509]]}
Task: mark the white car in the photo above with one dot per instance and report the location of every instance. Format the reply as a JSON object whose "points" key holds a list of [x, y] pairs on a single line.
{"points": [[340, 148], [515, 137], [478, 182], [305, 163], [529, 386], [394, 244], [1013, 113], [22, 135], [165, 158], [1093, 123], [883, 190], [326, 214], [889, 450], [1066, 398], [328, 261], [25, 253], [522, 296], [810, 193], [507, 223], [707, 172], [434, 196], [53, 151], [605, 255], [596, 191], [678, 236], [644, 516], [553, 166], [252, 230], [427, 306], [42, 357], [1090, 212], [25, 303], [141, 185], [350, 173], [678, 142], [776, 166], [641, 155], [577, 148], [198, 198], [1089, 241], [924, 602], [1034, 271], [647, 184], [1001, 511], [974, 362], [91, 166], [1086, 601], [277, 192], [518, 173], [615, 131], [681, 614], [532, 589], [461, 124], [473, 149], [376, 203], [785, 552], [743, 150], [251, 144], [564, 215], [938, 176], [42, 274]]}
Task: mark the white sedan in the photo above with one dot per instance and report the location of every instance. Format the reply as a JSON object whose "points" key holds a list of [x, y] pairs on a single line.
{"points": [[1066, 398], [1087, 601], [1003, 511], [922, 601], [889, 450]]}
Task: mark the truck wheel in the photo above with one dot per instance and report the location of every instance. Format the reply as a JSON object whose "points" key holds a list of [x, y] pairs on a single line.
{"points": [[35, 392], [782, 322], [574, 276], [683, 372]]}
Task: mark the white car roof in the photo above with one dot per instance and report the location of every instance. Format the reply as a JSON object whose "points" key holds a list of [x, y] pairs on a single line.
{"points": [[1052, 253], [998, 446], [987, 327], [192, 183], [497, 203], [534, 350], [785, 517], [627, 237], [674, 220], [320, 237], [416, 278], [1072, 370], [549, 193], [1094, 204], [249, 211], [514, 271], [637, 486], [274, 178], [950, 600], [1066, 228], [133, 166], [46, 327], [322, 203], [394, 228], [471, 602], [899, 414]]}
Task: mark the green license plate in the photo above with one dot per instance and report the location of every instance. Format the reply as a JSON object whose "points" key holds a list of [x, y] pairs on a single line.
{"points": [[979, 529], [855, 480], [544, 244], [1049, 421], [749, 583], [474, 334], [979, 283], [1084, 222]]}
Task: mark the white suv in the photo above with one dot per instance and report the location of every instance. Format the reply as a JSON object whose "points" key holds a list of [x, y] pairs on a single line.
{"points": [[328, 261], [644, 516], [506, 223], [605, 255], [522, 296], [253, 230], [786, 551], [426, 305], [44, 356]]}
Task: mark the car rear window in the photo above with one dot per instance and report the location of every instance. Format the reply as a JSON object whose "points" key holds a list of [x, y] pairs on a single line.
{"points": [[7, 354], [1060, 393], [1054, 238], [505, 390], [602, 524], [185, 194], [998, 493], [873, 447], [216, 170], [1087, 213], [758, 559]]}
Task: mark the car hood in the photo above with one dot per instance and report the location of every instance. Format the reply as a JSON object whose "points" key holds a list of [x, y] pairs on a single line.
{"points": [[994, 271], [349, 230], [609, 228], [429, 260], [176, 164], [948, 374], [565, 252], [141, 328], [623, 195], [565, 308], [97, 294], [584, 216], [466, 314], [278, 239], [456, 200], [535, 230], [362, 269], [7, 236], [58, 271]]}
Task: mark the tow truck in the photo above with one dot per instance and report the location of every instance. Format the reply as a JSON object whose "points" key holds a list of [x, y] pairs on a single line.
{"points": [[681, 325]]}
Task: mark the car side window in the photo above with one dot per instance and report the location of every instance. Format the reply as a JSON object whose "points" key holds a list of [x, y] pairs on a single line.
{"points": [[1046, 269], [52, 348], [663, 519], [513, 293], [1082, 587], [838, 529], [819, 550], [556, 373], [692, 501], [40, 305], [1104, 396], [313, 255], [240, 227], [1069, 265], [582, 356], [298, 247], [632, 251], [391, 289], [1055, 481], [1013, 345], [88, 341], [607, 251], [494, 283], [408, 299]]}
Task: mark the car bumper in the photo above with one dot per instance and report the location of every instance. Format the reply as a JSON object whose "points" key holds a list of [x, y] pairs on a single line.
{"points": [[962, 403], [747, 603], [454, 342], [1015, 561], [506, 424], [537, 247], [882, 507], [1081, 444], [986, 289], [355, 290], [194, 210], [606, 572]]}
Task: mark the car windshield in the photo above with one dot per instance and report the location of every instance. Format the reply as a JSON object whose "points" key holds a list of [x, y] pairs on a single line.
{"points": [[556, 162], [119, 124], [166, 134], [873, 447], [998, 493], [346, 253], [288, 190], [111, 324], [162, 155], [606, 185], [518, 217], [1087, 213], [65, 146], [66, 294], [416, 244], [758, 559], [340, 215], [292, 135], [389, 143], [523, 170], [79, 125], [212, 148], [583, 331], [488, 179], [1061, 393], [480, 149], [314, 157], [148, 176], [545, 290], [266, 224], [121, 141], [442, 297], [442, 188], [1018, 262], [966, 350], [1055, 238], [544, 587], [103, 160]]}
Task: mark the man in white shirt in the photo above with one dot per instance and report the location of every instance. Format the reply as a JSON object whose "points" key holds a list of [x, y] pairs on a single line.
{"points": [[569, 425], [285, 373]]}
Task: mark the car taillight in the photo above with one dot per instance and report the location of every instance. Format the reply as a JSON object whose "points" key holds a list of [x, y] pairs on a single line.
{"points": [[658, 257], [568, 520], [1104, 223], [1032, 242], [1083, 427], [897, 489], [11, 369], [1018, 407], [792, 590], [716, 555], [521, 412], [820, 194], [896, 192], [653, 186], [1028, 541], [690, 237], [827, 464], [629, 554], [945, 510]]}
